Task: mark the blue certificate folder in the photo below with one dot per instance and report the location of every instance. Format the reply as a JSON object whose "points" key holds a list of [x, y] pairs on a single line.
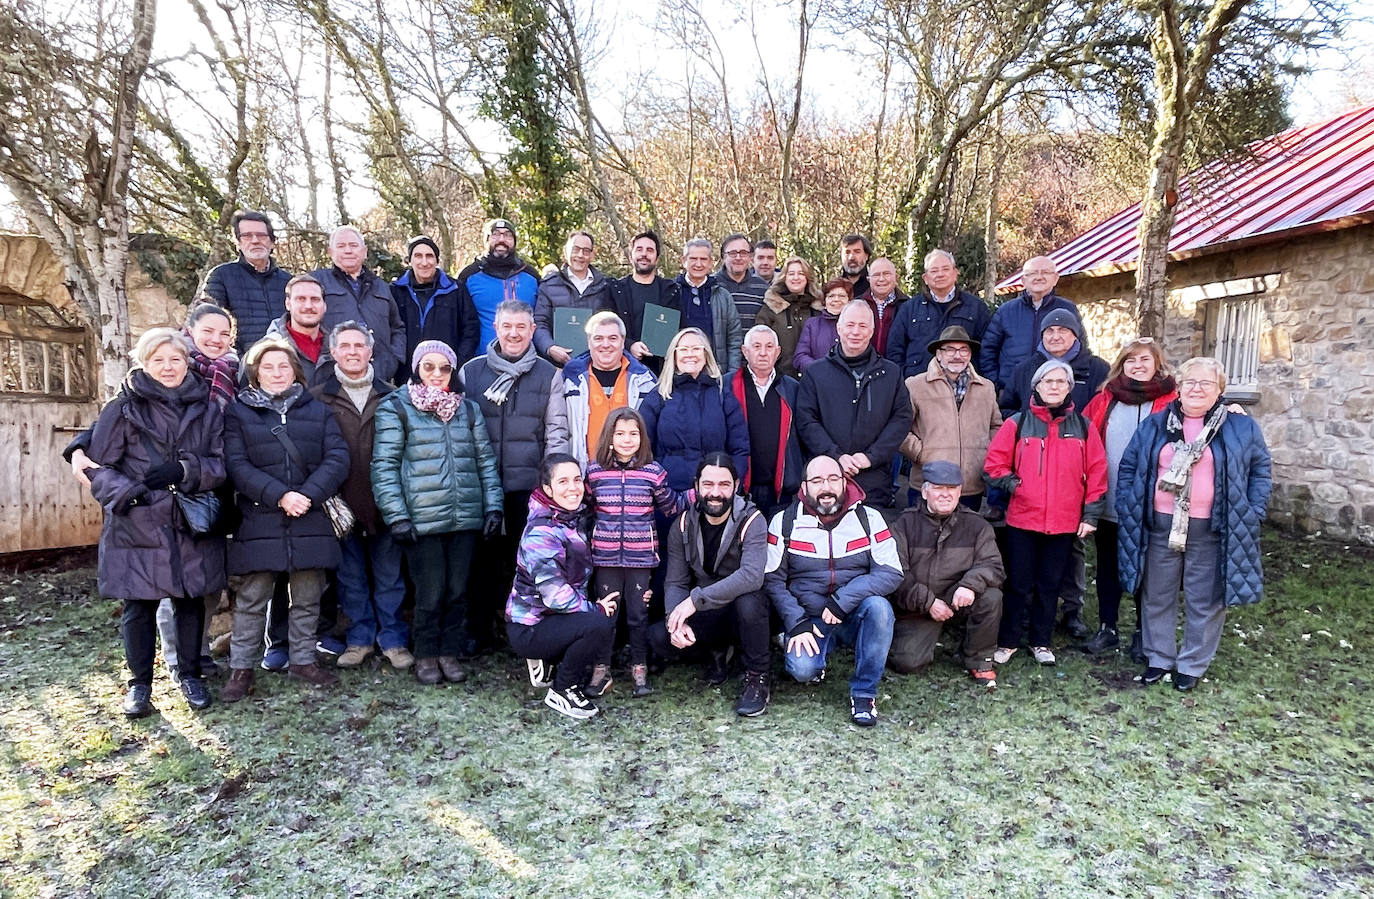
{"points": [[569, 324], [660, 325]]}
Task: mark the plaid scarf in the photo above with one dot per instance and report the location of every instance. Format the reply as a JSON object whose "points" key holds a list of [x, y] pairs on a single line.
{"points": [[220, 374]]}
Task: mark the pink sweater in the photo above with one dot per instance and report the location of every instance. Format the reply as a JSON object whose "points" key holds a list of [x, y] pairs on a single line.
{"points": [[1204, 476]]}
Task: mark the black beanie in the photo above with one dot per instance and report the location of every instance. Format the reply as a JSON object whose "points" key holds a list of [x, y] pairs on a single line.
{"points": [[421, 239]]}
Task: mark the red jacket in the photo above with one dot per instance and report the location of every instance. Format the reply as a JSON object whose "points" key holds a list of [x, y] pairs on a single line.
{"points": [[1099, 408], [1055, 470]]}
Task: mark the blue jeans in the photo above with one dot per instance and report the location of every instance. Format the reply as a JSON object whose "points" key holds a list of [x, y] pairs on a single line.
{"points": [[869, 630], [371, 590]]}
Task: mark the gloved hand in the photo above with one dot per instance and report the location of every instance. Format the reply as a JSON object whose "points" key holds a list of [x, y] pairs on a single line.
{"points": [[164, 475], [491, 524], [403, 532], [133, 499]]}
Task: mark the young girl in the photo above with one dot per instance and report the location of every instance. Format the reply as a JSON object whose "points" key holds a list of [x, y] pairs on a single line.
{"points": [[626, 486]]}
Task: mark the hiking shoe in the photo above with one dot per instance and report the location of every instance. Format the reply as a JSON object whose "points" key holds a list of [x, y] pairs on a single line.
{"points": [[1106, 638], [1003, 654], [541, 672], [863, 711], [427, 671], [1138, 648], [139, 702], [1072, 624], [399, 657], [601, 681], [353, 656], [571, 702], [276, 659], [196, 693], [718, 669], [1153, 675], [985, 676], [453, 672], [753, 698], [639, 676], [1043, 655], [329, 645], [313, 675], [819, 678], [1185, 682], [240, 685]]}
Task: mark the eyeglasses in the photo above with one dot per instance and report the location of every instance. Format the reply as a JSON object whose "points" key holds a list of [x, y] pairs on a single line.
{"points": [[1040, 273], [1195, 384], [823, 480], [739, 253], [505, 232], [255, 235], [430, 367], [582, 251], [952, 350], [691, 348], [1145, 341], [1056, 382]]}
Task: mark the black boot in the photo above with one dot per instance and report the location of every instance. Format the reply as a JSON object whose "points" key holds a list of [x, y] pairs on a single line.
{"points": [[1138, 648], [1104, 640], [1074, 626]]}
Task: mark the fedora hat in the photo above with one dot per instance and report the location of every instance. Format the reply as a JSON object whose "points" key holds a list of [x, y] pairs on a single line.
{"points": [[953, 334]]}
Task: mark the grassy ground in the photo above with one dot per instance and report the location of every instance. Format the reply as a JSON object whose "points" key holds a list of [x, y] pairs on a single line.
{"points": [[1066, 781]]}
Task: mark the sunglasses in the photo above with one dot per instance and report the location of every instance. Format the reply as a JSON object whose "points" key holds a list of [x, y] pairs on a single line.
{"points": [[428, 367]]}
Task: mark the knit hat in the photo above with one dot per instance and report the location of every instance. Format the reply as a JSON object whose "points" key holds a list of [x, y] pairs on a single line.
{"points": [[432, 346], [1062, 318], [498, 223], [421, 240], [942, 474], [1048, 367]]}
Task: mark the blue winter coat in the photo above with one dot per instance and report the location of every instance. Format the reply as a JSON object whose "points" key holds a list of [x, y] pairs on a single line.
{"points": [[700, 418], [1013, 335], [1241, 460], [255, 298], [447, 315], [920, 321]]}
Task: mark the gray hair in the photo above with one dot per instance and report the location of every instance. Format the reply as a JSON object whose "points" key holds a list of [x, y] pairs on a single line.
{"points": [[153, 338], [604, 317], [936, 254], [333, 235], [350, 325], [761, 329], [1210, 362], [698, 242], [513, 307]]}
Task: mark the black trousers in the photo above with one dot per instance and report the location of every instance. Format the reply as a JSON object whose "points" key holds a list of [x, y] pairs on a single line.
{"points": [[278, 612], [138, 627], [575, 641], [1109, 590], [743, 622], [490, 582], [631, 584], [439, 565], [1035, 569]]}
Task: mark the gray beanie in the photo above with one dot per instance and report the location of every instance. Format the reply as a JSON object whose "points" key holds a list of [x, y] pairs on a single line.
{"points": [[1048, 367]]}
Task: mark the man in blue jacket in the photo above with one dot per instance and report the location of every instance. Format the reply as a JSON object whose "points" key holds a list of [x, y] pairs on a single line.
{"points": [[252, 287], [498, 276], [923, 318], [1015, 328], [432, 306]]}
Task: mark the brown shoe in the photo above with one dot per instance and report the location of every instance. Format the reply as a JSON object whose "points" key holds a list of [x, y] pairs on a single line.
{"points": [[314, 675], [354, 656], [427, 672], [240, 685], [399, 657], [600, 682], [453, 672]]}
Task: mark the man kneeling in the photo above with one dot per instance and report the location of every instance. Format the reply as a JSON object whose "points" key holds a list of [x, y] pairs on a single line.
{"points": [[713, 589], [953, 571], [831, 563]]}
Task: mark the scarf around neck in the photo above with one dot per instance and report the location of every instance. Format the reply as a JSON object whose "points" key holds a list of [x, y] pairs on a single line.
{"points": [[441, 402], [1138, 393], [222, 374], [1178, 480], [508, 371]]}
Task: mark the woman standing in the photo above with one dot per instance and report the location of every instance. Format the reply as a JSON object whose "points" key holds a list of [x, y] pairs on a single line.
{"points": [[691, 413], [286, 456], [160, 435], [1192, 489], [820, 333], [549, 618], [434, 475], [788, 305], [1138, 385], [1050, 460]]}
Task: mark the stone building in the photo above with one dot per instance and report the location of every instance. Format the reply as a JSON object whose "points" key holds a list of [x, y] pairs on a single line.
{"points": [[1272, 271]]}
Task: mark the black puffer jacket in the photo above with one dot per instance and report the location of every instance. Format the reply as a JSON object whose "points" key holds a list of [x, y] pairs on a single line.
{"points": [[255, 298], [144, 552], [517, 426], [262, 472]]}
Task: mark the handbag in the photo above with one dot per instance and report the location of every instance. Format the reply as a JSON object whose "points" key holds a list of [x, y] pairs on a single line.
{"points": [[340, 516], [201, 512]]}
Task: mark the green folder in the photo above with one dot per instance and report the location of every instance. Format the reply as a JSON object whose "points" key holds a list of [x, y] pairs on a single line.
{"points": [[660, 326], [569, 328]]}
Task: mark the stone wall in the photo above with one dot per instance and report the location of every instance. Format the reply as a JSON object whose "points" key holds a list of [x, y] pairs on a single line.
{"points": [[1316, 363]]}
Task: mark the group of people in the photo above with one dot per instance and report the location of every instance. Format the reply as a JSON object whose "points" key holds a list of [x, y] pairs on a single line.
{"points": [[739, 484]]}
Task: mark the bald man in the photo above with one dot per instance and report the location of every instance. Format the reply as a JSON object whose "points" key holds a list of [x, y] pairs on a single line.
{"points": [[1014, 332]]}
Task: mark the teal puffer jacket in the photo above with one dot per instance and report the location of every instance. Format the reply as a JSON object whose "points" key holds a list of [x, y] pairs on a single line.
{"points": [[439, 475]]}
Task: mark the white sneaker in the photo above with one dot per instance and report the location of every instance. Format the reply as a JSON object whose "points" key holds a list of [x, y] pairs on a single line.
{"points": [[1043, 655], [541, 672], [1003, 655], [570, 702]]}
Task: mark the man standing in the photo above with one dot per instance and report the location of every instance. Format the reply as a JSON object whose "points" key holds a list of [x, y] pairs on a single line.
{"points": [[592, 385], [855, 251], [831, 563], [1015, 327], [884, 299], [713, 592], [514, 389], [432, 306], [735, 275], [954, 414], [953, 572], [765, 260], [253, 288], [769, 400], [353, 293], [369, 580], [301, 327], [498, 276], [941, 305], [1061, 337], [577, 285], [852, 405], [707, 305], [643, 286]]}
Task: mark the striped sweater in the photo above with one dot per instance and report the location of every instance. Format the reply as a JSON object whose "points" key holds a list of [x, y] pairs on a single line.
{"points": [[624, 500]]}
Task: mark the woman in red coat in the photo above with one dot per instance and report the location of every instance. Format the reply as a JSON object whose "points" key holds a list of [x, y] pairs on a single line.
{"points": [[1050, 460]]}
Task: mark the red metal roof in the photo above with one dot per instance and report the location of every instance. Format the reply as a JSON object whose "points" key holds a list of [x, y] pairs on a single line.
{"points": [[1318, 177]]}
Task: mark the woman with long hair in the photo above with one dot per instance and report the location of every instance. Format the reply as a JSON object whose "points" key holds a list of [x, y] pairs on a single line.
{"points": [[789, 303]]}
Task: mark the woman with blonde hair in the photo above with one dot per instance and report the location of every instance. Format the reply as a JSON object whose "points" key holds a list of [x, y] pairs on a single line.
{"points": [[793, 298], [691, 413]]}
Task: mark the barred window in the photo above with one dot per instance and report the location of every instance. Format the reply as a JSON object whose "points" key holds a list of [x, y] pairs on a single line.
{"points": [[42, 353]]}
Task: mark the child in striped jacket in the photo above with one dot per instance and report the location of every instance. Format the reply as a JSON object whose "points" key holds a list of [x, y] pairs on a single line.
{"points": [[626, 486]]}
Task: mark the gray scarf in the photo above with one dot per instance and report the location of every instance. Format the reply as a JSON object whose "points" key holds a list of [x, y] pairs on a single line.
{"points": [[261, 399], [507, 371], [1178, 480]]}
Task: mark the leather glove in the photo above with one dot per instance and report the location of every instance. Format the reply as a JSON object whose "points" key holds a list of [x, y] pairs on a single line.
{"points": [[164, 475], [491, 524], [403, 532]]}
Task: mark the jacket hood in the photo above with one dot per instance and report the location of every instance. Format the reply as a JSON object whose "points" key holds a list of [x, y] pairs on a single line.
{"points": [[779, 298], [544, 509]]}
